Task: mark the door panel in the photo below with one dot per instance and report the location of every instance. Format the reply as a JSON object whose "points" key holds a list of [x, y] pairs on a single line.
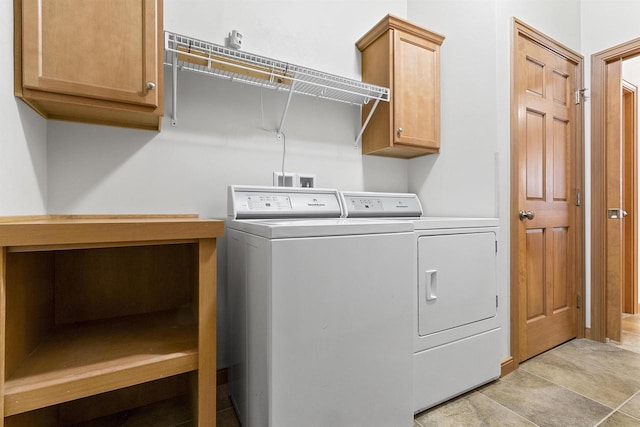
{"points": [[535, 155], [560, 158], [561, 297], [535, 274], [543, 183], [560, 87]]}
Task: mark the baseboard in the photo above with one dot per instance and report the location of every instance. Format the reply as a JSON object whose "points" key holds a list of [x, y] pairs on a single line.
{"points": [[507, 366], [222, 376]]}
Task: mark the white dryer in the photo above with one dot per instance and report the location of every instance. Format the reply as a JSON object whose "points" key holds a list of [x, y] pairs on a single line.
{"points": [[456, 331], [321, 312]]}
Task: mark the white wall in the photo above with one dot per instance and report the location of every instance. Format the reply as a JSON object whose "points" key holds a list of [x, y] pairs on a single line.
{"points": [[460, 179], [219, 138], [23, 145], [471, 174]]}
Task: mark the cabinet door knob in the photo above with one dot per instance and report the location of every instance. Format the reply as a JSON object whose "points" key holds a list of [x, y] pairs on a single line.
{"points": [[151, 85], [400, 130]]}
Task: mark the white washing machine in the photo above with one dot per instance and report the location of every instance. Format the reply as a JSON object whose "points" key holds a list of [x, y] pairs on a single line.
{"points": [[456, 331], [321, 312]]}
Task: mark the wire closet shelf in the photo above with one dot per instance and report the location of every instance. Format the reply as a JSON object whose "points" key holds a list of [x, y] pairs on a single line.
{"points": [[187, 53]]}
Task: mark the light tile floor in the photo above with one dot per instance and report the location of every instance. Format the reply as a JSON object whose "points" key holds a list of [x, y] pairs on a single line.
{"points": [[580, 383]]}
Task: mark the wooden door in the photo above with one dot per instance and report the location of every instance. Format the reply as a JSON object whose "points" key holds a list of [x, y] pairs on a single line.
{"points": [[629, 190], [99, 49], [417, 91], [614, 242], [544, 164]]}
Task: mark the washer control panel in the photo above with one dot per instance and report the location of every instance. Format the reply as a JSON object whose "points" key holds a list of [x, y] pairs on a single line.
{"points": [[282, 202], [268, 202]]}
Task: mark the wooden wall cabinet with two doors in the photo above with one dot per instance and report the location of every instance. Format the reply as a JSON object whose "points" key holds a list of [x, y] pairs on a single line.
{"points": [[405, 58], [108, 320], [91, 61]]}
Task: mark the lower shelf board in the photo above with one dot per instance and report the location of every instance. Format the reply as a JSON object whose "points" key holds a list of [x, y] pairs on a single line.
{"points": [[81, 360], [170, 413]]}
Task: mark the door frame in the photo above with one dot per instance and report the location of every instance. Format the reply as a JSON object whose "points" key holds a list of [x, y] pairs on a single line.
{"points": [[520, 28], [630, 195], [601, 64]]}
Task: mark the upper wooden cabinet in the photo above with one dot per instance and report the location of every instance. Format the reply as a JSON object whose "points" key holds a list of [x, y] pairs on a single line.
{"points": [[405, 58], [91, 61]]}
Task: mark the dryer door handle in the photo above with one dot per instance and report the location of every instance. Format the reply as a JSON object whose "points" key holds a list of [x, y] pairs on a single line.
{"points": [[431, 284]]}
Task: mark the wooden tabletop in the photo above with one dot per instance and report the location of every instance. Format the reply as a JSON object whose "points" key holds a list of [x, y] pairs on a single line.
{"points": [[96, 229]]}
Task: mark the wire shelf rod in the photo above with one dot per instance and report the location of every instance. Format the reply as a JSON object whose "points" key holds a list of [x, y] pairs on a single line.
{"points": [[340, 93]]}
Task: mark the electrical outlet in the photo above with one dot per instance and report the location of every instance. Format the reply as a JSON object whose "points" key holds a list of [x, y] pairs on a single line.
{"points": [[293, 180], [307, 181], [289, 180]]}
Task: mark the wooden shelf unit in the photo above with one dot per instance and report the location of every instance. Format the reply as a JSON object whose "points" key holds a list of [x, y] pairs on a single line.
{"points": [[95, 305]]}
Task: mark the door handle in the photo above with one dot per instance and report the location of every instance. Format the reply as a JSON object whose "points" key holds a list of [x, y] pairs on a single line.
{"points": [[431, 284], [526, 215], [616, 213]]}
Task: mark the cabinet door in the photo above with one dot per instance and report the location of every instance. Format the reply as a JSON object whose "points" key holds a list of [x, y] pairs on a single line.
{"points": [[417, 91], [99, 49]]}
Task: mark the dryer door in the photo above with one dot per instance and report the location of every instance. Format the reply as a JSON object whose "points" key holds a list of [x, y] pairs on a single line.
{"points": [[456, 280]]}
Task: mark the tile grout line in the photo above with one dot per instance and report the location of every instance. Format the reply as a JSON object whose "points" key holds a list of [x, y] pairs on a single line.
{"points": [[509, 409], [618, 408], [579, 394]]}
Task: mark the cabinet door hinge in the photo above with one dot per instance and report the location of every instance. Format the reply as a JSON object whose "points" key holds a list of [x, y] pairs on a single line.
{"points": [[496, 301], [578, 198], [580, 96], [496, 246]]}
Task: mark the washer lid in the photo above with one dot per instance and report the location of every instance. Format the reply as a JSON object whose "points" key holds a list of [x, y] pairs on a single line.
{"points": [[292, 228]]}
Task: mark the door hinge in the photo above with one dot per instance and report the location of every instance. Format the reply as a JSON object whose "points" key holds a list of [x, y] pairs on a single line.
{"points": [[578, 198], [496, 246], [577, 300], [580, 96], [496, 301]]}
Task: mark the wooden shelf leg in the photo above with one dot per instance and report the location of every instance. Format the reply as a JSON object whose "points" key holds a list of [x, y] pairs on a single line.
{"points": [[207, 333], [3, 319]]}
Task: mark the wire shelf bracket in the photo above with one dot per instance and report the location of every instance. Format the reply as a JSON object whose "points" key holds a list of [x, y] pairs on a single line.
{"points": [[187, 53]]}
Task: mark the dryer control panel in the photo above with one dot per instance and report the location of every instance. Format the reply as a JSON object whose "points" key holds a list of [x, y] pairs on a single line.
{"points": [[392, 205]]}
